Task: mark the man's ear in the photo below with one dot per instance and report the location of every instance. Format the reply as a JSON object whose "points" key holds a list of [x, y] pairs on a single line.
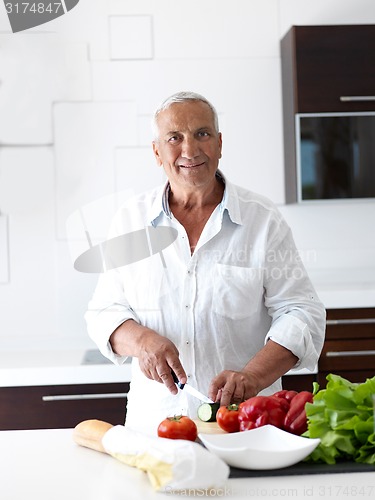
{"points": [[156, 153]]}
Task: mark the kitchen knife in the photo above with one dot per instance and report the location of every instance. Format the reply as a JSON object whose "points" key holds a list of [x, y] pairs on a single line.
{"points": [[191, 390]]}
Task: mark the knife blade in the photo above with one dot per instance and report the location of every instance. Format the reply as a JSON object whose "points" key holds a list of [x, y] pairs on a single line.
{"points": [[191, 390]]}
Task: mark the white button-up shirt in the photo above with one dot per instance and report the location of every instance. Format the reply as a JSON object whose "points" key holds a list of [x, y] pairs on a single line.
{"points": [[244, 284]]}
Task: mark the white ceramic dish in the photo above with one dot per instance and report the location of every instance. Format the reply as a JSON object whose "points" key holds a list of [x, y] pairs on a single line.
{"points": [[263, 448]]}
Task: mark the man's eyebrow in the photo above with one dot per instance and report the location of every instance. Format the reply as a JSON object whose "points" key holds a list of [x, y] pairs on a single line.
{"points": [[199, 129], [205, 127]]}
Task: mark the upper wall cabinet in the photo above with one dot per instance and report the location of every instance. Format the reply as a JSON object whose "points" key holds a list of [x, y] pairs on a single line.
{"points": [[328, 78], [330, 68]]}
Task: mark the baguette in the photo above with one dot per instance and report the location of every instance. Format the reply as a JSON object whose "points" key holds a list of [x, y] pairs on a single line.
{"points": [[90, 433]]}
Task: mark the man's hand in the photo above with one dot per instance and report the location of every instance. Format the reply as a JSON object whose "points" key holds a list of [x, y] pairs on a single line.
{"points": [[269, 364], [232, 387], [157, 357], [156, 354]]}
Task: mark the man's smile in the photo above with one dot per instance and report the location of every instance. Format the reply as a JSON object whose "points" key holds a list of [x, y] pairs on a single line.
{"points": [[192, 165]]}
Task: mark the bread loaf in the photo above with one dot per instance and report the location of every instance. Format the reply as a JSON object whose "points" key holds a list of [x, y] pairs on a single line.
{"points": [[89, 433]]}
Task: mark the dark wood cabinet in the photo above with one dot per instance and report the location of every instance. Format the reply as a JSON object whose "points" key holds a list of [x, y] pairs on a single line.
{"points": [[348, 351], [330, 68], [326, 70], [299, 382], [349, 347], [61, 406]]}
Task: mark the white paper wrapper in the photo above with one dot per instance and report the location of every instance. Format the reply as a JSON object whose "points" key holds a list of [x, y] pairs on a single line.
{"points": [[171, 464]]}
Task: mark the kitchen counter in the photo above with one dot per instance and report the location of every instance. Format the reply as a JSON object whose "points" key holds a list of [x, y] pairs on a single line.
{"points": [[57, 362], [47, 464], [345, 288]]}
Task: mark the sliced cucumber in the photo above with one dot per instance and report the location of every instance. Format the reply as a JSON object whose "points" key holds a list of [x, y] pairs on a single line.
{"points": [[207, 412]]}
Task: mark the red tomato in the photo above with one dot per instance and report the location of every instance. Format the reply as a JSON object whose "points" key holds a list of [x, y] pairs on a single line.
{"points": [[227, 418], [178, 427]]}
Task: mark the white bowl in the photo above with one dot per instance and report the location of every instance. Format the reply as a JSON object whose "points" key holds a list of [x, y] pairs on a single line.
{"points": [[263, 448]]}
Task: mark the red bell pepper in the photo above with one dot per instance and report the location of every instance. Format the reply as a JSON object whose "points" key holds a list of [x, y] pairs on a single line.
{"points": [[288, 395], [261, 410], [296, 420]]}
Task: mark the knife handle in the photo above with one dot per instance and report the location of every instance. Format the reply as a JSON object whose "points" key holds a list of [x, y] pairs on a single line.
{"points": [[176, 381]]}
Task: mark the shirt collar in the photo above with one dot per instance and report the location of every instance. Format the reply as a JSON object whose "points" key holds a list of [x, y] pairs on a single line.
{"points": [[160, 205], [229, 203]]}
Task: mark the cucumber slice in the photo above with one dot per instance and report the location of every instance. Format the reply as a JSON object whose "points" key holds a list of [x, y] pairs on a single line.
{"points": [[207, 412]]}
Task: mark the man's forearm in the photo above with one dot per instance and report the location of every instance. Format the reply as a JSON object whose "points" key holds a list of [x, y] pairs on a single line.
{"points": [[269, 364], [128, 338]]}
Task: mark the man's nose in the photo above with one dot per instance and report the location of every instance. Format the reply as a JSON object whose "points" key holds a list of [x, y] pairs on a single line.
{"points": [[190, 148]]}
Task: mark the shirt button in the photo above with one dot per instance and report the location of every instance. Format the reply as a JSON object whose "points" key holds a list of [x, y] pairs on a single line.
{"points": [[187, 342]]}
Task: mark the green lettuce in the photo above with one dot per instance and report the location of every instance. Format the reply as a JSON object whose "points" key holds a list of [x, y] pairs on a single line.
{"points": [[342, 416]]}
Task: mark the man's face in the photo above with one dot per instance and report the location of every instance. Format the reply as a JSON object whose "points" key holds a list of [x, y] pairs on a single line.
{"points": [[188, 146]]}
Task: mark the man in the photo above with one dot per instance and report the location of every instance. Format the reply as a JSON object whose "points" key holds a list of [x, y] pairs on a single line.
{"points": [[229, 308]]}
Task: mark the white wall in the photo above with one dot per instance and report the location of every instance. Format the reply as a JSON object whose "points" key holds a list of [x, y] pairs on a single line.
{"points": [[76, 97]]}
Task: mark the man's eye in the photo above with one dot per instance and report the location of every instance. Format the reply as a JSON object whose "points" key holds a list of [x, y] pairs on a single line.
{"points": [[173, 138], [203, 133]]}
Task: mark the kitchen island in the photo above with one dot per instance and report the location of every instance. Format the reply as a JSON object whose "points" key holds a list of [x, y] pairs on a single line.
{"points": [[49, 465]]}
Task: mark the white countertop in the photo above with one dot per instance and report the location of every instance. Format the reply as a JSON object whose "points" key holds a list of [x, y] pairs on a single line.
{"points": [[47, 464], [64, 375], [345, 288], [57, 362]]}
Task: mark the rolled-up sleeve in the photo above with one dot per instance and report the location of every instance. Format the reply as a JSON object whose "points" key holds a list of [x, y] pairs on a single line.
{"points": [[297, 336], [298, 316]]}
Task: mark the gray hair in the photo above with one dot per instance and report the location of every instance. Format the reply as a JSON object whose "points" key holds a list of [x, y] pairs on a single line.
{"points": [[182, 97]]}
